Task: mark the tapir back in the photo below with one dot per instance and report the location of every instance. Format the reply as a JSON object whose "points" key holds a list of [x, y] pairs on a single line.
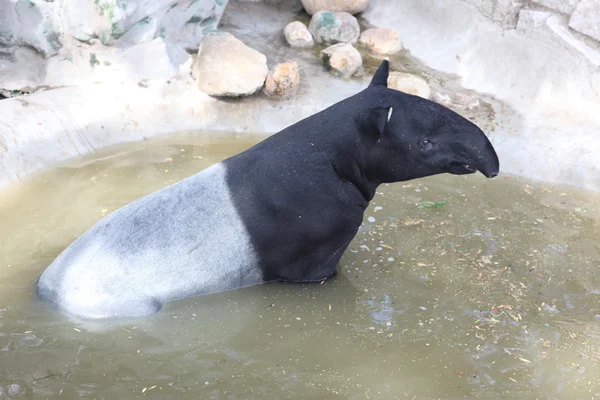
{"points": [[184, 240]]}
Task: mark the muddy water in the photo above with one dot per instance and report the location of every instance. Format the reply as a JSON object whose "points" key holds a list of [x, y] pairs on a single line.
{"points": [[455, 287]]}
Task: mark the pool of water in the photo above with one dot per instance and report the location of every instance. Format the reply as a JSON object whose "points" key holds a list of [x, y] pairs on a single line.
{"points": [[455, 287]]}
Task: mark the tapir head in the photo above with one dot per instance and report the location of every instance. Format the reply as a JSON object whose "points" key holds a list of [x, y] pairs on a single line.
{"points": [[412, 137]]}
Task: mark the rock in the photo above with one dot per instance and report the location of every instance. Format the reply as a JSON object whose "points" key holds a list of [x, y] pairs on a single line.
{"points": [[298, 35], [28, 24], [586, 18], [225, 66], [504, 12], [70, 42], [283, 79], [349, 6], [184, 21], [381, 40], [14, 389], [334, 27], [410, 84], [532, 21], [562, 6], [99, 63], [342, 59]]}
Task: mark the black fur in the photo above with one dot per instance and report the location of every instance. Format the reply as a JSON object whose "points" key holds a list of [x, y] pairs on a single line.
{"points": [[302, 192]]}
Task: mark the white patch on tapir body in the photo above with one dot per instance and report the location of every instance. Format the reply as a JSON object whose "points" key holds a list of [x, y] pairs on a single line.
{"points": [[185, 240]]}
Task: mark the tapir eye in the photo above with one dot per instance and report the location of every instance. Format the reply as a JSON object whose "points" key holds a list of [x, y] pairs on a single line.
{"points": [[426, 143]]}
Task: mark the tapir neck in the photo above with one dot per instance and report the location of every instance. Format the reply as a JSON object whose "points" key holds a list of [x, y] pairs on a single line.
{"points": [[356, 175], [333, 137], [348, 150]]}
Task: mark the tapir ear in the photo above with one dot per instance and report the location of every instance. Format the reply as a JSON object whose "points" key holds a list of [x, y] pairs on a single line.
{"points": [[381, 75], [376, 119]]}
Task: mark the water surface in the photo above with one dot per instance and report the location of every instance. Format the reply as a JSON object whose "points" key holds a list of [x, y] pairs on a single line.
{"points": [[455, 287]]}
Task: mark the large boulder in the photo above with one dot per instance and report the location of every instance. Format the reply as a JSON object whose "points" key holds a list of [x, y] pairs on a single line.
{"points": [[225, 66], [381, 40], [283, 80], [28, 24], [342, 60], [297, 35], [134, 21], [349, 6], [45, 43], [334, 27]]}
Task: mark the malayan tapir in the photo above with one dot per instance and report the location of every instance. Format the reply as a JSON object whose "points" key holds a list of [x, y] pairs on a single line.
{"points": [[283, 210]]}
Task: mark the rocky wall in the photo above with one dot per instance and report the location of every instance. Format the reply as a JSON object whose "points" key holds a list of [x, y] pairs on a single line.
{"points": [[70, 42], [582, 16]]}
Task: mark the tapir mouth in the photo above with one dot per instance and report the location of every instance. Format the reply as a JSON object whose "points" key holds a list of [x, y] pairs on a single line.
{"points": [[462, 169], [465, 169]]}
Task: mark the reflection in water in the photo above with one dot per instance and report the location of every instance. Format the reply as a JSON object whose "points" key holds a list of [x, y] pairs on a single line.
{"points": [[493, 295]]}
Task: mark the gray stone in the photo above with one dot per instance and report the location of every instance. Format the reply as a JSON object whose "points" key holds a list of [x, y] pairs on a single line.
{"points": [[342, 59], [334, 27], [297, 35], [562, 6], [225, 66], [349, 6], [189, 21], [14, 389], [23, 69], [586, 18]]}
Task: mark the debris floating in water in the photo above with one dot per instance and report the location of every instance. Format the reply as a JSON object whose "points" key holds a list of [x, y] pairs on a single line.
{"points": [[432, 204], [371, 219]]}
